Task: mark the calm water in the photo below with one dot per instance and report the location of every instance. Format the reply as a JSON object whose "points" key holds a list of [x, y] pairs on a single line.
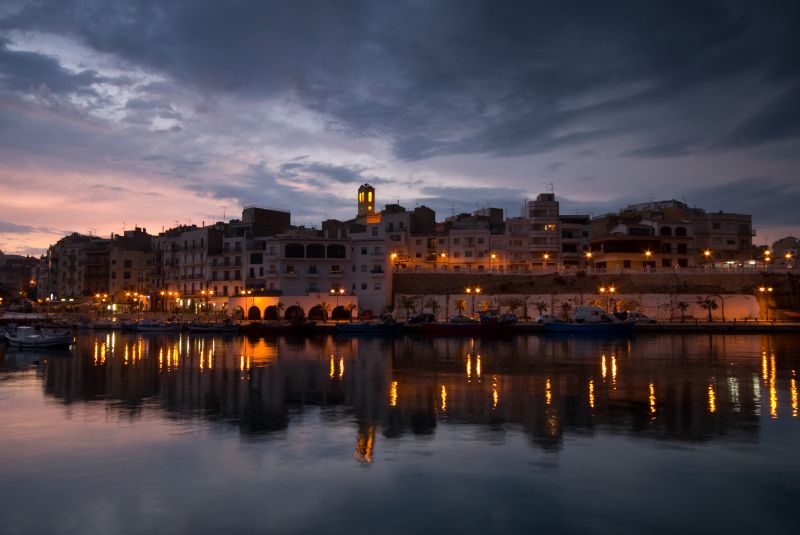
{"points": [[169, 434]]}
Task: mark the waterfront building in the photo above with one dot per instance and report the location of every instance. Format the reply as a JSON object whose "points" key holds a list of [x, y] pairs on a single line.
{"points": [[130, 265], [77, 266]]}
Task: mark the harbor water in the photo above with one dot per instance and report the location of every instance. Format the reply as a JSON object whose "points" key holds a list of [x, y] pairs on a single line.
{"points": [[177, 433]]}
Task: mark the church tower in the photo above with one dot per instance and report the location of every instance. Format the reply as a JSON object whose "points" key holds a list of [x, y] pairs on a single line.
{"points": [[366, 200]]}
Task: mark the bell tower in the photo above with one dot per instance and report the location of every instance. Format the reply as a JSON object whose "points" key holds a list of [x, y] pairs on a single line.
{"points": [[366, 200]]}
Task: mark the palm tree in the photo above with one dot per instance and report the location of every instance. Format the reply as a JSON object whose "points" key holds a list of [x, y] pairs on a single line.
{"points": [[541, 307], [350, 307], [408, 303], [566, 308], [279, 307], [485, 305], [683, 306], [709, 305], [461, 305], [326, 308], [434, 305]]}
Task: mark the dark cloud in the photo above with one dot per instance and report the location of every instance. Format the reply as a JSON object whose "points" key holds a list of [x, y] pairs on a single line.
{"points": [[454, 77], [776, 120], [6, 226], [770, 202], [26, 71], [337, 173]]}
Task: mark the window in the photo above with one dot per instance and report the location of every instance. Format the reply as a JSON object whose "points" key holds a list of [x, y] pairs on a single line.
{"points": [[456, 241], [682, 248], [441, 241], [418, 242], [374, 231], [363, 268], [312, 270], [377, 250], [626, 263], [272, 249], [238, 275], [715, 226], [480, 240], [364, 250], [377, 286], [113, 275], [290, 269], [457, 255], [468, 254], [363, 285], [256, 258], [213, 275], [418, 255]]}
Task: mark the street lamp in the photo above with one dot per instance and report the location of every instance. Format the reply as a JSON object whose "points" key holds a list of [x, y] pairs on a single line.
{"points": [[473, 292], [608, 292], [492, 258], [339, 292], [443, 256], [765, 292]]}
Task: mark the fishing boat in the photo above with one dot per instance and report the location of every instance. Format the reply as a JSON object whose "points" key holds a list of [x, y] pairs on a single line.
{"points": [[461, 325], [275, 328], [154, 326], [218, 327], [385, 327], [591, 320], [107, 325], [29, 338]]}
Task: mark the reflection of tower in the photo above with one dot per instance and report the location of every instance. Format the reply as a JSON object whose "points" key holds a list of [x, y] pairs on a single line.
{"points": [[366, 200]]}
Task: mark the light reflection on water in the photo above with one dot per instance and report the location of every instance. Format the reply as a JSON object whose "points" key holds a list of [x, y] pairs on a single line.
{"points": [[163, 433]]}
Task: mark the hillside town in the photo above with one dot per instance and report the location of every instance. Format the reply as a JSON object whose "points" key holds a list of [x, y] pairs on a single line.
{"points": [[236, 263]]}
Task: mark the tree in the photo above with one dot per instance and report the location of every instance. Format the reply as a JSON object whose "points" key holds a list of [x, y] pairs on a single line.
{"points": [[541, 307], [461, 305], [433, 304], [350, 307], [566, 308], [683, 306], [485, 305], [279, 307], [326, 308], [709, 305], [408, 303]]}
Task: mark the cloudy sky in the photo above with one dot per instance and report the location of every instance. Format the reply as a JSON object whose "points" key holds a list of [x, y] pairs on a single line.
{"points": [[115, 114]]}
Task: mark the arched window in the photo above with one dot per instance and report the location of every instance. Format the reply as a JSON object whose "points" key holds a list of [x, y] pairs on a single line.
{"points": [[680, 231], [295, 250], [315, 250], [254, 313], [336, 250], [271, 313], [666, 231]]}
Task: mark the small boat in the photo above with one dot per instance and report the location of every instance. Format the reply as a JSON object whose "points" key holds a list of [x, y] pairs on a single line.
{"points": [[385, 327], [461, 325], [30, 338], [275, 328], [107, 325], [611, 328], [154, 326], [593, 321], [218, 327]]}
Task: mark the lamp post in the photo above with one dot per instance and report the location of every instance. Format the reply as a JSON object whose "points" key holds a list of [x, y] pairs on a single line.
{"points": [[339, 292], [474, 292], [443, 256], [545, 258], [246, 294], [707, 255], [608, 292], [788, 257], [765, 293], [492, 258]]}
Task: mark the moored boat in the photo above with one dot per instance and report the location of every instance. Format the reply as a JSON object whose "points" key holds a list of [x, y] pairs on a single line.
{"points": [[30, 338], [275, 328], [371, 327], [605, 329], [153, 326], [460, 325], [218, 327]]}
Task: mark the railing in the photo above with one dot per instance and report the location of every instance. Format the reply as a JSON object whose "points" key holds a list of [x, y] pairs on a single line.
{"points": [[451, 270]]}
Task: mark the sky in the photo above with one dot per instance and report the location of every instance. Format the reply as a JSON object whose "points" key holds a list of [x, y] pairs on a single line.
{"points": [[152, 113]]}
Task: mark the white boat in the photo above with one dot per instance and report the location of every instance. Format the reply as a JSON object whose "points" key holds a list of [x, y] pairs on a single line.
{"points": [[152, 326], [29, 338]]}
